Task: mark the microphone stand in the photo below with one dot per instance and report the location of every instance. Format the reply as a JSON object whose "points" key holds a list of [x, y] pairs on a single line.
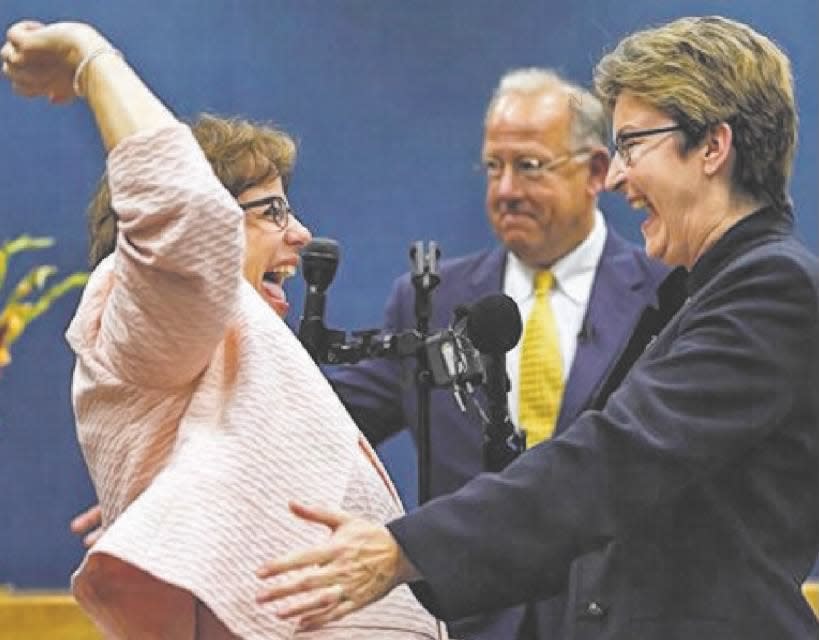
{"points": [[425, 278], [501, 442], [330, 346]]}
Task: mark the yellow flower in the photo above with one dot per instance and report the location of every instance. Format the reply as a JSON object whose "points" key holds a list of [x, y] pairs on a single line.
{"points": [[18, 313], [13, 320]]}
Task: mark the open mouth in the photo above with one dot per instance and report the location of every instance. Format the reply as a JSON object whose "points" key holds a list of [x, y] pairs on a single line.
{"points": [[272, 289], [278, 275]]}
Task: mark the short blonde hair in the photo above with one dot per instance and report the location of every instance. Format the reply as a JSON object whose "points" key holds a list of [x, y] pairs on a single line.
{"points": [[242, 154], [708, 70]]}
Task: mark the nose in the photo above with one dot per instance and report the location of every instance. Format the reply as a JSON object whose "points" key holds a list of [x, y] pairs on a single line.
{"points": [[507, 184], [616, 175], [296, 233], [505, 192]]}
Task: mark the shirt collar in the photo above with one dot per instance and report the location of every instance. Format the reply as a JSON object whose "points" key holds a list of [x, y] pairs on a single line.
{"points": [[574, 272]]}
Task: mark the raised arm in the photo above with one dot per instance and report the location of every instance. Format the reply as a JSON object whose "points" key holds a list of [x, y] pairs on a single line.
{"points": [[58, 61], [180, 238]]}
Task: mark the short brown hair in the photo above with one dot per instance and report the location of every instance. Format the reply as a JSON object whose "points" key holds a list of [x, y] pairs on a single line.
{"points": [[242, 154], [708, 70]]}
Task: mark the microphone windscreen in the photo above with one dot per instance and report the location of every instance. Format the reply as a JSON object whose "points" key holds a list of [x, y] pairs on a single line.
{"points": [[319, 260], [494, 324]]}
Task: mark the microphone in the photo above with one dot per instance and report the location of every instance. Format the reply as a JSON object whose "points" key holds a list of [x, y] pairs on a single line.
{"points": [[319, 261], [494, 326]]}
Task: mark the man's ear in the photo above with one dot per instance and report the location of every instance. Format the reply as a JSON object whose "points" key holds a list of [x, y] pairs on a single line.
{"points": [[598, 169], [717, 151]]}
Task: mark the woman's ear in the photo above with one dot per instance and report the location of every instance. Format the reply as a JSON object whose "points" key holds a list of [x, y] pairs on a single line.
{"points": [[717, 151]]}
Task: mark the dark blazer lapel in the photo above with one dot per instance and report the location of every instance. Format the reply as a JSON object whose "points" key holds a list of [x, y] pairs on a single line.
{"points": [[671, 295], [623, 286], [487, 277]]}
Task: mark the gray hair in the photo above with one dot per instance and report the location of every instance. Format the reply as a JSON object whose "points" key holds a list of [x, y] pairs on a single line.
{"points": [[589, 125]]}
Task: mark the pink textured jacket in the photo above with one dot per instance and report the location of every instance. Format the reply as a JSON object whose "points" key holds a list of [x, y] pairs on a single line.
{"points": [[200, 415]]}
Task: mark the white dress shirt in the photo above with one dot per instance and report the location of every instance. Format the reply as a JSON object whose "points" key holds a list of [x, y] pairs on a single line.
{"points": [[574, 277]]}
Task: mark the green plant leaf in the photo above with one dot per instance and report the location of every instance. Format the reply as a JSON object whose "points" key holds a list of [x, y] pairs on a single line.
{"points": [[21, 243]]}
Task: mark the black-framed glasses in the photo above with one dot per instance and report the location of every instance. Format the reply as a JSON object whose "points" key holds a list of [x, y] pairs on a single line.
{"points": [[278, 210], [529, 167], [623, 146]]}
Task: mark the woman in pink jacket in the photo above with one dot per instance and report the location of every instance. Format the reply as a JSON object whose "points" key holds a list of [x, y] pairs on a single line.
{"points": [[198, 413]]}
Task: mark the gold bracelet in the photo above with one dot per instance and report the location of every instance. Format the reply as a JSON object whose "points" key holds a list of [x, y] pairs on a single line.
{"points": [[107, 48]]}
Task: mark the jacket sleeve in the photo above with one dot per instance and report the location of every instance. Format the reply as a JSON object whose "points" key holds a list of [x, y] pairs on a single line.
{"points": [[177, 264], [732, 373]]}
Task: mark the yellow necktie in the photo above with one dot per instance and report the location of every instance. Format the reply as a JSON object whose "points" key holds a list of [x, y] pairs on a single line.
{"points": [[541, 367]]}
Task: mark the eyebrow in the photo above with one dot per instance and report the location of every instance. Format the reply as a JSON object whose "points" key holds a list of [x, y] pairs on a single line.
{"points": [[635, 132], [626, 128]]}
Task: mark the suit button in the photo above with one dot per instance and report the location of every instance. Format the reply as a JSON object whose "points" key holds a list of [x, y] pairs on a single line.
{"points": [[595, 610]]}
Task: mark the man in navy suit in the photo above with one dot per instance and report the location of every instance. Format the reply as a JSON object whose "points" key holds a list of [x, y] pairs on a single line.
{"points": [[682, 506], [545, 159]]}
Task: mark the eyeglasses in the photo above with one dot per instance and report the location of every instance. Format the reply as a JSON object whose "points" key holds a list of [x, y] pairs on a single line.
{"points": [[528, 167], [623, 149], [278, 210]]}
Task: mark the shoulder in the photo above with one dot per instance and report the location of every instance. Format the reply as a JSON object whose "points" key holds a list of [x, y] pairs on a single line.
{"points": [[469, 262], [770, 289], [783, 263]]}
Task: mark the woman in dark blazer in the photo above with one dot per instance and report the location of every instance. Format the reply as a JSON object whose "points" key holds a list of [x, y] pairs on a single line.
{"points": [[685, 507]]}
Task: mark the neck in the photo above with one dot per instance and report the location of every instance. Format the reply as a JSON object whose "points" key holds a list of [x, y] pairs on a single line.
{"points": [[725, 210]]}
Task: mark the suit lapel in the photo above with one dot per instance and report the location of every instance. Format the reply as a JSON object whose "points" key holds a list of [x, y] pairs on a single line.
{"points": [[671, 295], [487, 276], [623, 286]]}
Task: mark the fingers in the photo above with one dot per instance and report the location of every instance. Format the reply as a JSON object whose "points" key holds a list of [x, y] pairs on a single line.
{"points": [[356, 567], [312, 557], [10, 57], [327, 517], [322, 606], [316, 556], [19, 30], [87, 520], [9, 54], [89, 525], [91, 539], [321, 601], [26, 78], [17, 39], [314, 621], [316, 580]]}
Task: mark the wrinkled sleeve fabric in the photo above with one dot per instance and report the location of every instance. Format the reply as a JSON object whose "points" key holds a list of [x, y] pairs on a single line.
{"points": [[177, 264]]}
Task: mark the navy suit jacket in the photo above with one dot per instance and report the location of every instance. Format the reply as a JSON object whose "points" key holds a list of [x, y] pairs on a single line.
{"points": [[686, 507], [380, 394]]}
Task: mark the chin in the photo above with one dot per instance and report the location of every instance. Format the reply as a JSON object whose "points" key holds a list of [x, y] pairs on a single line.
{"points": [[657, 255], [655, 246], [517, 243]]}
